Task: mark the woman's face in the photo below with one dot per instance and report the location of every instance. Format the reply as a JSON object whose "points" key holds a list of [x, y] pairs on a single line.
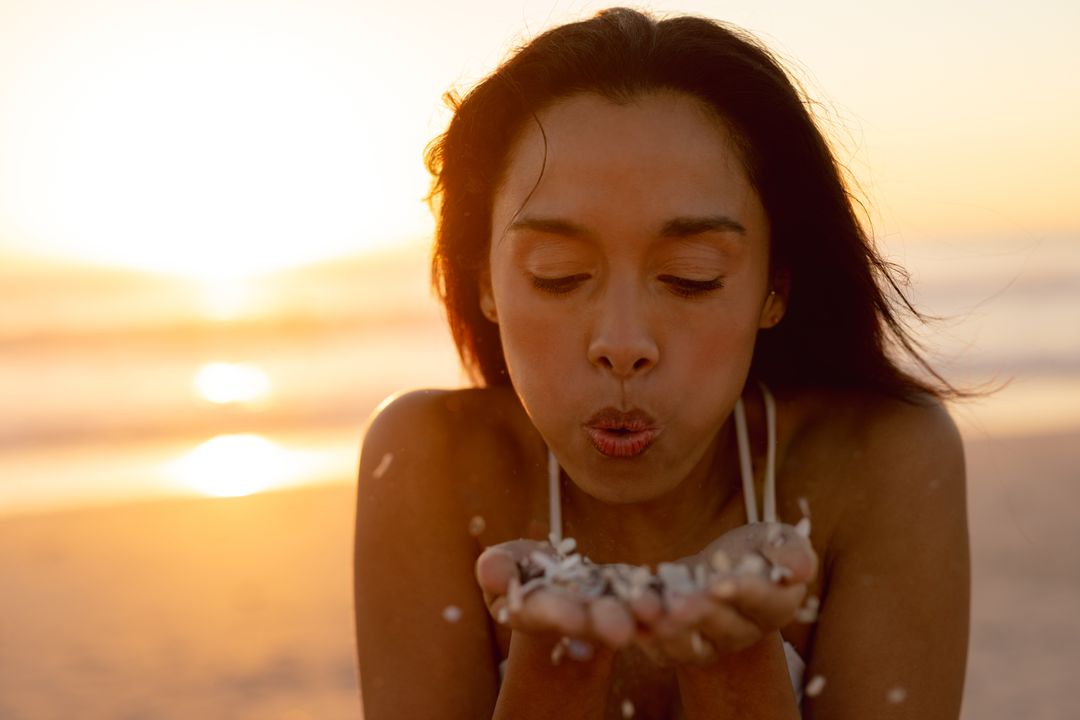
{"points": [[629, 285]]}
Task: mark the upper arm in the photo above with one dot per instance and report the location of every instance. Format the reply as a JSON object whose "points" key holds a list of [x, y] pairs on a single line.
{"points": [[413, 559], [892, 635]]}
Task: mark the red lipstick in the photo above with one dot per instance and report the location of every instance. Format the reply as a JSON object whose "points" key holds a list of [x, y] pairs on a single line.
{"points": [[620, 433]]}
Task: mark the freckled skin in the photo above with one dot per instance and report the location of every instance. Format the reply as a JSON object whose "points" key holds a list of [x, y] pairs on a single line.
{"points": [[624, 338]]}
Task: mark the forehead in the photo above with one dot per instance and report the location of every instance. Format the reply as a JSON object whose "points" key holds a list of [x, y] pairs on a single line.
{"points": [[657, 156]]}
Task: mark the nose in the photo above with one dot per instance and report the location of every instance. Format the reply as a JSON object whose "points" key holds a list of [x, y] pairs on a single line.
{"points": [[622, 342]]}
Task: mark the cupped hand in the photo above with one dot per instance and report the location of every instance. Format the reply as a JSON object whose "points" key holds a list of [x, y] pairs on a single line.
{"points": [[743, 585], [550, 610], [757, 580]]}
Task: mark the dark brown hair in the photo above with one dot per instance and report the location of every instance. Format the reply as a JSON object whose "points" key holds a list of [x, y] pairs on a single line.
{"points": [[843, 322]]}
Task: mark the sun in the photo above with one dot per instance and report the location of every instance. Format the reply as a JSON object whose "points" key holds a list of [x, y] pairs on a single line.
{"points": [[213, 147]]}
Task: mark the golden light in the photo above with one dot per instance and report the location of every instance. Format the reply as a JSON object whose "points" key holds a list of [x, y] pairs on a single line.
{"points": [[222, 383], [214, 143], [229, 298], [237, 465]]}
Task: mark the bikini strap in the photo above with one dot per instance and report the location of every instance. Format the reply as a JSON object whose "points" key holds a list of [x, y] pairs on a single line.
{"points": [[554, 501], [746, 468], [770, 454]]}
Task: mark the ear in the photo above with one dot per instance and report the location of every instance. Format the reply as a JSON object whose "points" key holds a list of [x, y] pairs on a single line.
{"points": [[772, 311], [487, 298]]}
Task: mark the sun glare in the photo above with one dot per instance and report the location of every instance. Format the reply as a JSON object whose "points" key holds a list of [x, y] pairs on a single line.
{"points": [[237, 465], [214, 148], [229, 299], [224, 383]]}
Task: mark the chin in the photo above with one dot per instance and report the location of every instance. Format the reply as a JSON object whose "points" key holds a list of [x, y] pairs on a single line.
{"points": [[621, 482]]}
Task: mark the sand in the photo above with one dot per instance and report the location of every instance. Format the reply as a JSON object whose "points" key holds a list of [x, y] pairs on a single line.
{"points": [[241, 608], [217, 608]]}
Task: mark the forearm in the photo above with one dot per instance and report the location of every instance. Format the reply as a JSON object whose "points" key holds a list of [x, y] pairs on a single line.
{"points": [[535, 687], [752, 684]]}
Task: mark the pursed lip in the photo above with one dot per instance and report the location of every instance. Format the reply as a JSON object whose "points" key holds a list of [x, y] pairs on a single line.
{"points": [[621, 433]]}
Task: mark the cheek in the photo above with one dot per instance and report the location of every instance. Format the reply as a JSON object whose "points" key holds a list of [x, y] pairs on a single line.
{"points": [[711, 355], [537, 342]]}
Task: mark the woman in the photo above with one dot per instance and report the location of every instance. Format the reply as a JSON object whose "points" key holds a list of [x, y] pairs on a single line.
{"points": [[652, 267]]}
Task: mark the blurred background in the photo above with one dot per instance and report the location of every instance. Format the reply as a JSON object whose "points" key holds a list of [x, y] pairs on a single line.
{"points": [[213, 267]]}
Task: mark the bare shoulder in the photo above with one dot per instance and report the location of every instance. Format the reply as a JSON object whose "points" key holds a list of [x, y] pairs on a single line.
{"points": [[906, 460], [448, 442], [916, 430], [419, 613], [882, 453], [426, 420], [441, 415], [895, 555]]}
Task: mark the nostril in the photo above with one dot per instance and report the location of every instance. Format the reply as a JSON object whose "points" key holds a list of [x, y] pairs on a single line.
{"points": [[622, 364]]}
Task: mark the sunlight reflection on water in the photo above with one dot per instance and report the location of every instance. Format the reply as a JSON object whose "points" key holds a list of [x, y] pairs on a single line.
{"points": [[223, 383], [238, 465]]}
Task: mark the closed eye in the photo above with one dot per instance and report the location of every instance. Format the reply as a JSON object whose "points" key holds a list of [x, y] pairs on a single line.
{"points": [[686, 287], [559, 285]]}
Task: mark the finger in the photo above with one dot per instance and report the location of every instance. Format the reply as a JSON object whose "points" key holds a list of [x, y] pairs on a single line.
{"points": [[494, 568], [782, 545], [790, 550], [611, 622], [499, 563], [647, 608], [720, 623], [499, 609], [548, 610], [729, 630], [684, 613], [768, 604]]}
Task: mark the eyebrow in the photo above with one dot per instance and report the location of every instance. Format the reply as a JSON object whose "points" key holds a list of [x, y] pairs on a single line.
{"points": [[550, 226], [690, 226], [680, 227]]}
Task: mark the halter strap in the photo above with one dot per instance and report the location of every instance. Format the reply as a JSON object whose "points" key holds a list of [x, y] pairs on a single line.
{"points": [[746, 468], [554, 501]]}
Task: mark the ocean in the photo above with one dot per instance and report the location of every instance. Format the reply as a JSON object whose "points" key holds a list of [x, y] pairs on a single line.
{"points": [[118, 385]]}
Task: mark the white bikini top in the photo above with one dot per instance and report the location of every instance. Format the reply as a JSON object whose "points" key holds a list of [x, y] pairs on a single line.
{"points": [[796, 665]]}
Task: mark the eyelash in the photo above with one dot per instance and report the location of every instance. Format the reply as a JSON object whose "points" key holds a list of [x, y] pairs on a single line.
{"points": [[683, 287], [558, 285]]}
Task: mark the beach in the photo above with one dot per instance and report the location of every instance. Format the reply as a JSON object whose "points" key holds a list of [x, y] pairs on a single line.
{"points": [[217, 227], [242, 607]]}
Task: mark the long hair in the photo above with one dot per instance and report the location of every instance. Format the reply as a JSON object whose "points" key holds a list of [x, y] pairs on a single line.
{"points": [[844, 322]]}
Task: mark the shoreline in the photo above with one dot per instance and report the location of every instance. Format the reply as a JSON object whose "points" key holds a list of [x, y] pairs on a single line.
{"points": [[329, 440]]}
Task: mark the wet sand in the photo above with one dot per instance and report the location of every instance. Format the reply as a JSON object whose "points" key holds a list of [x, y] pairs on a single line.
{"points": [[241, 608]]}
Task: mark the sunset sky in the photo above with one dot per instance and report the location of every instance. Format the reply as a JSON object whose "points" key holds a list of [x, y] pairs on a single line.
{"points": [[223, 137]]}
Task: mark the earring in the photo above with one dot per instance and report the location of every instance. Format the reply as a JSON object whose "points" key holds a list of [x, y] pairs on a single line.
{"points": [[776, 314]]}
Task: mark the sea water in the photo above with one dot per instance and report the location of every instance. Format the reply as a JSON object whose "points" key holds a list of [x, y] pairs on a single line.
{"points": [[99, 399]]}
